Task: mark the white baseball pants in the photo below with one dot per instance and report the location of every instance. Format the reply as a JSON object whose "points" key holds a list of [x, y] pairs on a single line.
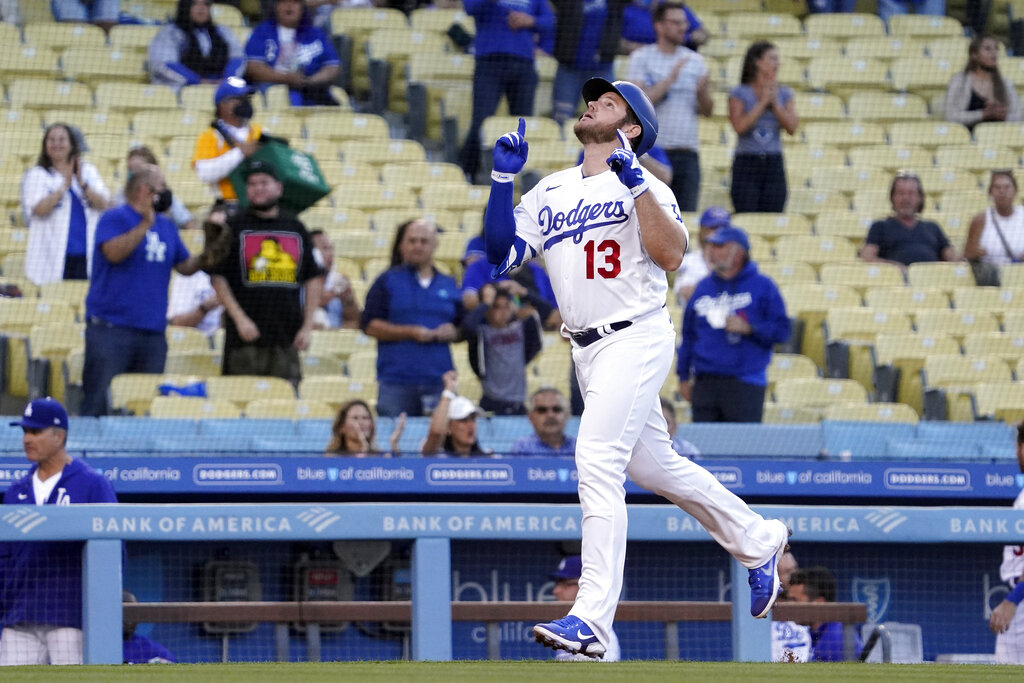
{"points": [[622, 431], [40, 644], [1010, 643]]}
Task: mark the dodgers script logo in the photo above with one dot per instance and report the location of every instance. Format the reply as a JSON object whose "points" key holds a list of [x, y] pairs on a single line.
{"points": [[581, 217], [874, 593]]}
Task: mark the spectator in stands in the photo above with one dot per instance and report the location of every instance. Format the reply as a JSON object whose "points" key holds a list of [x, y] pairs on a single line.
{"points": [[529, 284], [140, 649], [338, 305], [41, 582], [414, 312], [502, 337], [452, 430], [230, 140], [679, 444], [759, 108], [262, 281], [979, 93], [192, 301], [904, 238], [586, 41], [192, 50], [638, 27], [103, 13], [10, 12], [890, 8], [730, 325], [137, 247], [818, 585], [140, 157], [677, 80], [506, 38], [695, 262], [996, 237], [354, 432], [549, 412], [1006, 622], [286, 48], [62, 197]]}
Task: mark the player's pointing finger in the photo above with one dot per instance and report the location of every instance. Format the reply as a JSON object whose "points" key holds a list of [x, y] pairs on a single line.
{"points": [[623, 140], [522, 128]]}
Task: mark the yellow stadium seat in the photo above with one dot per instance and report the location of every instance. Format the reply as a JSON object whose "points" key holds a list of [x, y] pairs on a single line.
{"points": [[362, 246], [130, 97], [396, 47], [362, 365], [817, 393], [96, 122], [1000, 134], [946, 275], [439, 20], [844, 134], [812, 202], [803, 48], [388, 220], [772, 225], [192, 362], [787, 366], [924, 26], [776, 414], [849, 225], [857, 329], [190, 408], [885, 48], [380, 152], [810, 304], [48, 349], [897, 297], [837, 27], [357, 23], [884, 107], [27, 61], [925, 76], [844, 75], [538, 128], [1012, 275], [956, 376], [417, 175], [816, 249], [370, 196], [198, 97], [61, 36], [1009, 347], [330, 390], [164, 125], [816, 106], [956, 323], [289, 408], [340, 343], [33, 93], [788, 272], [132, 37], [902, 356], [336, 219], [348, 126], [190, 339], [813, 155], [321, 365], [132, 393], [871, 412], [953, 49], [861, 275], [891, 157], [1002, 401], [848, 179], [71, 292], [458, 196], [758, 25], [996, 300], [929, 134], [226, 15], [93, 65], [948, 180], [241, 389]]}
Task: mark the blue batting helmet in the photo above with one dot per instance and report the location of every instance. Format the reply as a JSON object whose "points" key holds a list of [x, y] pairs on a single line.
{"points": [[638, 102]]}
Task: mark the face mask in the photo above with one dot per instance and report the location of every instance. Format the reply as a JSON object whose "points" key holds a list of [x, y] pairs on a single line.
{"points": [[162, 200], [243, 109], [318, 256]]}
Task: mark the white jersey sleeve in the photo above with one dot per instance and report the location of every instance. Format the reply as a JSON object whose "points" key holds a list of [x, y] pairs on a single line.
{"points": [[587, 230], [1013, 555]]}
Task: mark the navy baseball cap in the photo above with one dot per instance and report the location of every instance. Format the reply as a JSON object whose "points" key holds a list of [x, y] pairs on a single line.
{"points": [[42, 413], [715, 217], [259, 166], [233, 86], [569, 568], [730, 233]]}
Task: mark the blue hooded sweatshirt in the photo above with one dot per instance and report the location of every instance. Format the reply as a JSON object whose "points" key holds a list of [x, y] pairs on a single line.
{"points": [[711, 350]]}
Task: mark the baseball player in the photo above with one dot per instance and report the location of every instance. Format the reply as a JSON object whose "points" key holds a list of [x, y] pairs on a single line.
{"points": [[41, 583], [1006, 622], [567, 585], [608, 234]]}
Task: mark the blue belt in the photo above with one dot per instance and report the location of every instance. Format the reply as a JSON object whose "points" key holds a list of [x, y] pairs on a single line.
{"points": [[587, 337]]}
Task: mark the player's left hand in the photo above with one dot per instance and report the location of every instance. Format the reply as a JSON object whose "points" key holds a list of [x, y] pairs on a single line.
{"points": [[625, 164], [1002, 615]]}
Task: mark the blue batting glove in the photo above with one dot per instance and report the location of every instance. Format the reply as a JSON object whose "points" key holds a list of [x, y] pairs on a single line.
{"points": [[510, 153], [625, 164]]}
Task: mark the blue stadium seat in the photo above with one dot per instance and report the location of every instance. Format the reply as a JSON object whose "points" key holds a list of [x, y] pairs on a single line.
{"points": [[113, 446], [921, 449], [322, 429], [499, 433], [755, 440], [978, 432], [81, 426], [1005, 453], [204, 445], [116, 429], [415, 431], [243, 428], [863, 440], [286, 446]]}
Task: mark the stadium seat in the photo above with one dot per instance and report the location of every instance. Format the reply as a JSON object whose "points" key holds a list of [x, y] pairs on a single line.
{"points": [[26, 61], [198, 363], [816, 393], [891, 157], [759, 25], [872, 412], [775, 414], [48, 348], [180, 338], [91, 65], [772, 225], [785, 366], [1012, 275], [844, 134], [349, 126], [925, 76], [816, 249], [357, 23], [1002, 401], [293, 409], [241, 389], [810, 303], [924, 26], [34, 93], [885, 48], [977, 158], [392, 151], [340, 343], [809, 156], [163, 125], [817, 106], [843, 76], [417, 175], [313, 364], [905, 298], [845, 224], [132, 37], [886, 107], [956, 323], [852, 431], [861, 275], [995, 300], [62, 36], [132, 393], [848, 179], [181, 407], [949, 382], [788, 272], [840, 27], [370, 196], [1009, 347], [330, 390], [131, 97], [945, 275], [850, 335], [395, 47], [899, 359]]}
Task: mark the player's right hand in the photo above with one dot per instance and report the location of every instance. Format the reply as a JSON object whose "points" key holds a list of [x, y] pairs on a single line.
{"points": [[511, 149]]}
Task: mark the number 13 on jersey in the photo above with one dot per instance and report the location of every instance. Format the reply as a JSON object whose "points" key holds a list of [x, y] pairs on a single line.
{"points": [[602, 258]]}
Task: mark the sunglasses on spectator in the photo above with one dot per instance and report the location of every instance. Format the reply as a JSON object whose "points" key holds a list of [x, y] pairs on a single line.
{"points": [[548, 409]]}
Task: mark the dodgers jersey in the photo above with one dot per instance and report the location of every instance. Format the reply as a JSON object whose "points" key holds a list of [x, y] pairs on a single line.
{"points": [[587, 229], [1013, 555]]}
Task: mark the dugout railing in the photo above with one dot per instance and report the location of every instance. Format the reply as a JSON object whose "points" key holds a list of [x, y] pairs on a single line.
{"points": [[432, 528]]}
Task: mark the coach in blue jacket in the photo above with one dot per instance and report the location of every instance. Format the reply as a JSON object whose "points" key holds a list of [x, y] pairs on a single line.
{"points": [[732, 321], [41, 582]]}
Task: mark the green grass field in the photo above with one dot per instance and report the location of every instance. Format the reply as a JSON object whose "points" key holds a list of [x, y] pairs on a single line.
{"points": [[500, 672]]}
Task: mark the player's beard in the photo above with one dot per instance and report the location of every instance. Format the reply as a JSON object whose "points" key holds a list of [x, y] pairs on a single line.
{"points": [[596, 133]]}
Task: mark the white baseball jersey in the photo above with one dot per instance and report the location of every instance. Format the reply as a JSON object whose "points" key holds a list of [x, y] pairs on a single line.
{"points": [[590, 237], [1010, 643], [1013, 555]]}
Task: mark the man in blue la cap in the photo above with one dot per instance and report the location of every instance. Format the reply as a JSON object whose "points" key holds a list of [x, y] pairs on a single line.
{"points": [[732, 321], [695, 263], [41, 582], [231, 138]]}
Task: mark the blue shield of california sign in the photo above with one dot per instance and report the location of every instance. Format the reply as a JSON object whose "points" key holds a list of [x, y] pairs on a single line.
{"points": [[875, 594]]}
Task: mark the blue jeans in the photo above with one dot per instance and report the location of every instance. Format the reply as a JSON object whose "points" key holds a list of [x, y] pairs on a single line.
{"points": [[566, 91], [111, 350], [685, 177], [888, 8], [414, 400], [496, 75], [758, 183], [85, 10]]}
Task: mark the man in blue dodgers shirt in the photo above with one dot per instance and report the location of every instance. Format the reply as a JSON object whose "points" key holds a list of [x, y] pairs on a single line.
{"points": [[41, 582], [125, 309]]}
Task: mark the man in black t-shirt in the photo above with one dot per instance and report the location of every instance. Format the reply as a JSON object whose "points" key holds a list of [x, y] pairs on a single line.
{"points": [[260, 283], [904, 238]]}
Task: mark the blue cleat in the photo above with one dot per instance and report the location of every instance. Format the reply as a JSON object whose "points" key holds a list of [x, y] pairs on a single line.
{"points": [[764, 580], [570, 634]]}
